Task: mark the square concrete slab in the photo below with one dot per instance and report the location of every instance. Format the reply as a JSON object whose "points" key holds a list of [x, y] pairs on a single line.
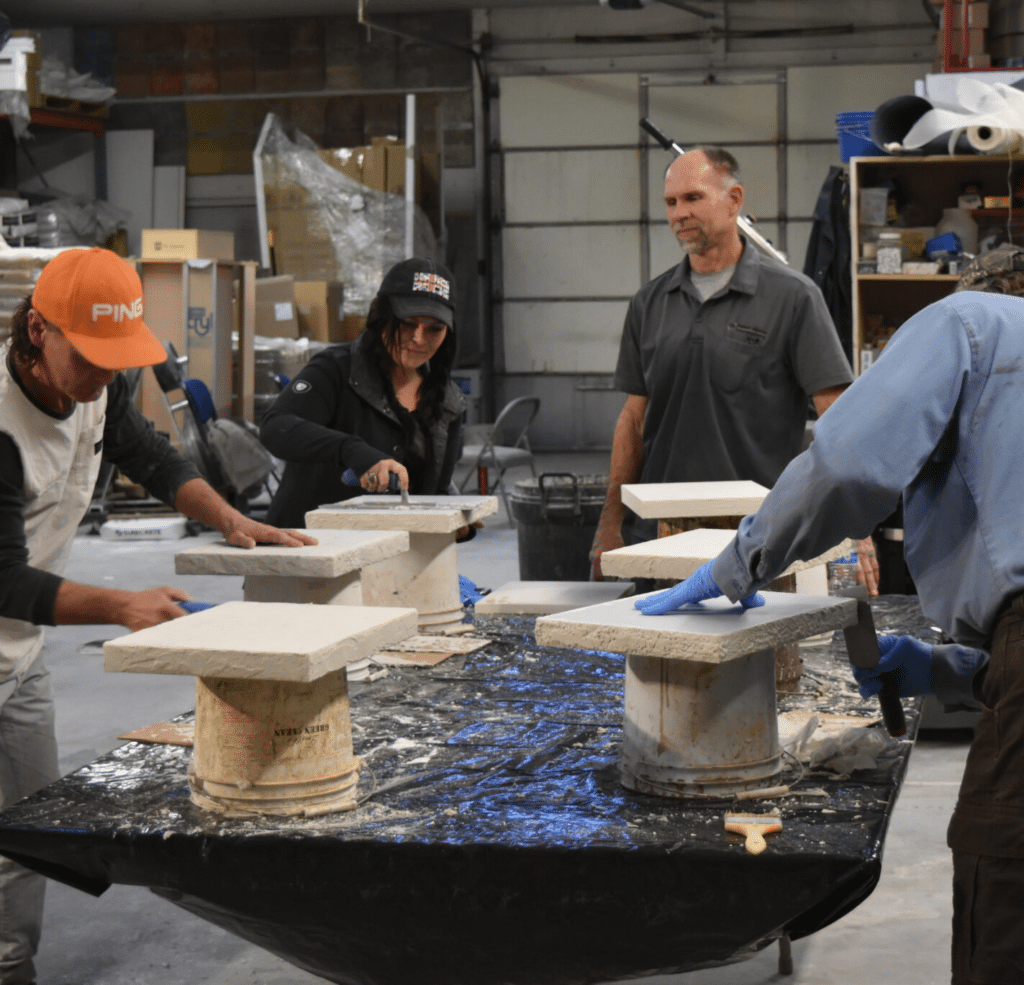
{"points": [[658, 500], [534, 598], [424, 514], [337, 553], [269, 641], [713, 632], [680, 555]]}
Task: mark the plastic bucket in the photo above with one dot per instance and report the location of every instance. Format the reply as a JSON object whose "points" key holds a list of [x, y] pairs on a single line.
{"points": [[854, 131], [700, 730], [556, 517], [273, 747]]}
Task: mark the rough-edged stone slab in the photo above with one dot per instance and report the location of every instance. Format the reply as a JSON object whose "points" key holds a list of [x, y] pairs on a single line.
{"points": [[716, 631], [680, 555], [425, 514], [534, 598], [270, 641], [337, 553], [657, 500]]}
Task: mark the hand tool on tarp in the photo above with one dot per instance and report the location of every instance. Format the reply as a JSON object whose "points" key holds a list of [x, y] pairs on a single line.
{"points": [[394, 486], [741, 220], [862, 647]]}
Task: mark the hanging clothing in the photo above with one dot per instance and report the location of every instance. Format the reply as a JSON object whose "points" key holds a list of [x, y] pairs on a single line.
{"points": [[828, 253]]}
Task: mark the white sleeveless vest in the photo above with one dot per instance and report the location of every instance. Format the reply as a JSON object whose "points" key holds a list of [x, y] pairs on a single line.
{"points": [[60, 459]]}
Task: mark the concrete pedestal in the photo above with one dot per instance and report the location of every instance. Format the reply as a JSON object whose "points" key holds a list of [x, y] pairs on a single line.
{"points": [[680, 555], [427, 575], [272, 733], [326, 573], [700, 690]]}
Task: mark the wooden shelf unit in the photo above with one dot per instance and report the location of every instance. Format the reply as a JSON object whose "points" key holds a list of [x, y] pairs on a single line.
{"points": [[926, 185]]}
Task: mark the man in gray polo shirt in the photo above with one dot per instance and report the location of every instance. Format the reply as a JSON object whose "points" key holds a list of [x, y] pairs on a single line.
{"points": [[719, 355]]}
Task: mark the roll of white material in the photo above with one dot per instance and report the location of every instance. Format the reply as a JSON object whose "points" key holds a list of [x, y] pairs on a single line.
{"points": [[995, 140]]}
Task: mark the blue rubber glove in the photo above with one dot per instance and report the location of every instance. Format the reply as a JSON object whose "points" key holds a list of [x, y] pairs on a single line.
{"points": [[196, 606], [909, 658], [698, 587]]}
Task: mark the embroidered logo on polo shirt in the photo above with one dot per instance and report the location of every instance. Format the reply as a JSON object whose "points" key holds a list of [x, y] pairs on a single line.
{"points": [[432, 283]]}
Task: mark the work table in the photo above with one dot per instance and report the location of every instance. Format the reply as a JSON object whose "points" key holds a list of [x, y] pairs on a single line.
{"points": [[493, 842]]}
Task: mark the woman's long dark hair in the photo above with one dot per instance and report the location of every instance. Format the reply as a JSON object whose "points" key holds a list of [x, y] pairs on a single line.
{"points": [[379, 337]]}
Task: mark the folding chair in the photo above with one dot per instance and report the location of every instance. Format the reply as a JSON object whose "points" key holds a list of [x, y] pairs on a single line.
{"points": [[505, 446]]}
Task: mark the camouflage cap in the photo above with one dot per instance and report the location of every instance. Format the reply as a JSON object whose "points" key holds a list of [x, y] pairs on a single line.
{"points": [[1003, 259]]}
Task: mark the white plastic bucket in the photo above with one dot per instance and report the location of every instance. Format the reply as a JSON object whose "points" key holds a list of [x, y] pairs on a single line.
{"points": [[273, 747], [700, 729]]}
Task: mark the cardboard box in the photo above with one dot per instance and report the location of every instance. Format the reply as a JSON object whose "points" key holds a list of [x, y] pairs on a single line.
{"points": [[976, 40], [275, 307], [187, 244], [977, 14], [190, 307], [320, 306]]}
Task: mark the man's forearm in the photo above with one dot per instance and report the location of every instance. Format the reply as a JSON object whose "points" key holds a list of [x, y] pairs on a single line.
{"points": [[627, 459], [198, 500]]}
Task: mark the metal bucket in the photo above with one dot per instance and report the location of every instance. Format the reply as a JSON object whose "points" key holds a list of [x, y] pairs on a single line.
{"points": [[273, 747], [556, 516], [700, 729]]}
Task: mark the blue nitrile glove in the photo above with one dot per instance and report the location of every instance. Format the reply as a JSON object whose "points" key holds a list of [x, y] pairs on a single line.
{"points": [[698, 587], [908, 658], [196, 606]]}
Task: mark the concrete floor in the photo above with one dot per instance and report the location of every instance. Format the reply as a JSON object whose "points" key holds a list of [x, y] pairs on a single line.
{"points": [[130, 937]]}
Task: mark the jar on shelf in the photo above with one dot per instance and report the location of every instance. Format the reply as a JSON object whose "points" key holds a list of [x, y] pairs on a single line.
{"points": [[889, 255]]}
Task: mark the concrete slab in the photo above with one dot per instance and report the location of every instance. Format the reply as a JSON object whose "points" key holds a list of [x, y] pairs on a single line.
{"points": [[664, 500], [269, 641], [425, 514], [680, 555], [534, 598], [337, 553], [713, 632]]}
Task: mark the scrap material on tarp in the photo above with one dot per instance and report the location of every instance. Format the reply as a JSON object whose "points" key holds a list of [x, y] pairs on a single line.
{"points": [[490, 815]]}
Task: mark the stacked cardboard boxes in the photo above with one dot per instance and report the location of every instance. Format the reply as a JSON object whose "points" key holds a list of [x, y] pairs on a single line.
{"points": [[972, 50]]}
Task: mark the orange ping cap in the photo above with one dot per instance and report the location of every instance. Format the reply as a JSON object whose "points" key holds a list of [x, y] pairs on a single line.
{"points": [[95, 298]]}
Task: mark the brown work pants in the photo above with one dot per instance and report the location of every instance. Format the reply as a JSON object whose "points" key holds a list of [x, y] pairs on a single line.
{"points": [[986, 833]]}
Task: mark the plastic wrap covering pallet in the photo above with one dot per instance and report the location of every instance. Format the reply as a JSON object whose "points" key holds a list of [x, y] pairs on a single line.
{"points": [[19, 271], [493, 842]]}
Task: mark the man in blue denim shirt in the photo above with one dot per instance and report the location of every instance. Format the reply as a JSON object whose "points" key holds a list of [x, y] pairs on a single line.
{"points": [[938, 419]]}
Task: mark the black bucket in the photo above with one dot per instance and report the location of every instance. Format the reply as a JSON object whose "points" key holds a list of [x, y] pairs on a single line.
{"points": [[556, 518]]}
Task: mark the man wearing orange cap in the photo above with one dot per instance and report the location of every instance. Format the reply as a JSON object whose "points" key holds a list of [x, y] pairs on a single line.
{"points": [[64, 407]]}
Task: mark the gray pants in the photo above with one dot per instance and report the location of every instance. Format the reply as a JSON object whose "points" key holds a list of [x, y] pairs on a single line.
{"points": [[28, 762]]}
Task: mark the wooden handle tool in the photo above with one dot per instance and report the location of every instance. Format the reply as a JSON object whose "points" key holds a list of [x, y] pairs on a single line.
{"points": [[754, 827]]}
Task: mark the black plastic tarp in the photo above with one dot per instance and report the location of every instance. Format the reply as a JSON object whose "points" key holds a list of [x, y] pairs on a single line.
{"points": [[493, 843]]}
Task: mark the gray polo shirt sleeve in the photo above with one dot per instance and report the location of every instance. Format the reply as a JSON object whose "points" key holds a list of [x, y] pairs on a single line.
{"points": [[816, 354], [629, 370]]}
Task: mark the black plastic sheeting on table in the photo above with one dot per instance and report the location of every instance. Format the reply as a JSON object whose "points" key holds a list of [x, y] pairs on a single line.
{"points": [[494, 843]]}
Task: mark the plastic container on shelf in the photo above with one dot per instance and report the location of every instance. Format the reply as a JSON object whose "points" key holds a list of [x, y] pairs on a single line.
{"points": [[960, 222], [853, 130]]}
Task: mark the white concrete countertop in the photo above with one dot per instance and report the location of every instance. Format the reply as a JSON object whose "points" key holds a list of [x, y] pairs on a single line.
{"points": [[337, 553], [711, 632], [680, 555], [424, 514], [269, 641], [664, 500]]}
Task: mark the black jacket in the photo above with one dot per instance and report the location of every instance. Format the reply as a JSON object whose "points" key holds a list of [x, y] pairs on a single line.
{"points": [[334, 416]]}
